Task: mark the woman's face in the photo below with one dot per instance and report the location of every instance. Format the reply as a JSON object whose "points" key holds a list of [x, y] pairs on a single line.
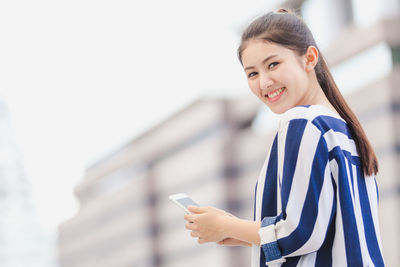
{"points": [[276, 75]]}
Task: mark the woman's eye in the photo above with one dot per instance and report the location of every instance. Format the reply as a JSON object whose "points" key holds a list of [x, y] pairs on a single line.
{"points": [[273, 64], [251, 74]]}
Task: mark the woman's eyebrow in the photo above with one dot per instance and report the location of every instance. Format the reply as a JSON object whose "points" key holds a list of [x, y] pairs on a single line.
{"points": [[263, 62]]}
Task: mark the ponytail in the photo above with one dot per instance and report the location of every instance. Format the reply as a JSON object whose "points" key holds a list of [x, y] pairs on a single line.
{"points": [[365, 151]]}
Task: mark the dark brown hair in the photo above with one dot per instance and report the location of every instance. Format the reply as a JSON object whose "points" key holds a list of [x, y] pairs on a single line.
{"points": [[285, 28]]}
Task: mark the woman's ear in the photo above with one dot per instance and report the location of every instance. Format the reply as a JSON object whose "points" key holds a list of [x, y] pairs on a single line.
{"points": [[311, 58]]}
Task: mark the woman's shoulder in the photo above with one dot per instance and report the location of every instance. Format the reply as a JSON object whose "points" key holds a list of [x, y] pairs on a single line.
{"points": [[319, 115]]}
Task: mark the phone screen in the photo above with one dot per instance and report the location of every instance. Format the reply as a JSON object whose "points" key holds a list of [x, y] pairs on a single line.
{"points": [[187, 201]]}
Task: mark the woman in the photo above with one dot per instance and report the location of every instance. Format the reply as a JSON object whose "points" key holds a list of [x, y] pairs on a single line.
{"points": [[316, 197]]}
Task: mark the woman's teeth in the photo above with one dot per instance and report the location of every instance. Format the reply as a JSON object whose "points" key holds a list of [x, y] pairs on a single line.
{"points": [[276, 92]]}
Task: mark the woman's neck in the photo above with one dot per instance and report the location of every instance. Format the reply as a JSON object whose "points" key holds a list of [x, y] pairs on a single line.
{"points": [[317, 95]]}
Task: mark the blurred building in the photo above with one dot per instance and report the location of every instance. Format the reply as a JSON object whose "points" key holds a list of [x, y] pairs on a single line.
{"points": [[22, 241], [211, 151], [207, 150]]}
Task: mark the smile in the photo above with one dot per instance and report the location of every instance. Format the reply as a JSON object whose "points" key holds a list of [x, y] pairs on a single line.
{"points": [[275, 95]]}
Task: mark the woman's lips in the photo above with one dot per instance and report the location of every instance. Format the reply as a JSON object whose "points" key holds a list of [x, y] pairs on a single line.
{"points": [[275, 95]]}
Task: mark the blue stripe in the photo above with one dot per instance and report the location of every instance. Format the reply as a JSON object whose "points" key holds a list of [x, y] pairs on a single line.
{"points": [[356, 160], [255, 202], [269, 205], [338, 151], [292, 145], [309, 212], [269, 201], [326, 123], [352, 240], [291, 261], [324, 254], [349, 165], [262, 257], [377, 191], [369, 227]]}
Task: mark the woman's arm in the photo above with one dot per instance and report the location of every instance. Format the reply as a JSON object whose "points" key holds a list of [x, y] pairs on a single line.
{"points": [[233, 242], [244, 230], [209, 224]]}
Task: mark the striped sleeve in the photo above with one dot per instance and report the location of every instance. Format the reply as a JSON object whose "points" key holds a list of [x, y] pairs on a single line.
{"points": [[306, 199]]}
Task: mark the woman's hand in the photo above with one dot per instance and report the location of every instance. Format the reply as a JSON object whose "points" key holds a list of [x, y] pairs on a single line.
{"points": [[233, 242], [208, 224]]}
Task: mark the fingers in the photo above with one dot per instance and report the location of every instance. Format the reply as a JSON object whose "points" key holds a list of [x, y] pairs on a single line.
{"points": [[226, 242], [200, 239], [190, 217], [199, 221], [196, 210], [191, 226], [222, 242], [194, 234]]}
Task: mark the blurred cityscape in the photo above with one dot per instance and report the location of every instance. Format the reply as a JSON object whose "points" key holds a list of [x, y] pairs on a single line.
{"points": [[212, 150]]}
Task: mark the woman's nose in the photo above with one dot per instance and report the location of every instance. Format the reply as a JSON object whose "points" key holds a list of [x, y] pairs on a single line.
{"points": [[265, 82]]}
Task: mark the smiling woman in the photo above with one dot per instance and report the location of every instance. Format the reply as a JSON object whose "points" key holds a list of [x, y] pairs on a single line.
{"points": [[316, 197], [282, 73]]}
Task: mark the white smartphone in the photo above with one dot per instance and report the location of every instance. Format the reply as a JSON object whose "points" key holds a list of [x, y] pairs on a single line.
{"points": [[183, 201]]}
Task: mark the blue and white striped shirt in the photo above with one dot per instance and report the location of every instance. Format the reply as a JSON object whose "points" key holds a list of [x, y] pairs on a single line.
{"points": [[316, 206]]}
